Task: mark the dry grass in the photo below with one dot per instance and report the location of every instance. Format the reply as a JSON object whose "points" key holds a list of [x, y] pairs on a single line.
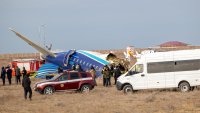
{"points": [[99, 100]]}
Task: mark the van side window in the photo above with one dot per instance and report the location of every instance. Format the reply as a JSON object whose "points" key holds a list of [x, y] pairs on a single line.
{"points": [[187, 65], [137, 69], [173, 66], [159, 67]]}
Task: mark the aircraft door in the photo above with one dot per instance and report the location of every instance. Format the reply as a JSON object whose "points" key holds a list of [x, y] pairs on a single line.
{"points": [[67, 57]]}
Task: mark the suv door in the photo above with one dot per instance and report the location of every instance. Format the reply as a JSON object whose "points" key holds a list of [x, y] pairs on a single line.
{"points": [[62, 82], [74, 80]]}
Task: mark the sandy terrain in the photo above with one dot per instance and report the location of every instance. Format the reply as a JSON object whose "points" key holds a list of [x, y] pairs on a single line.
{"points": [[99, 100]]}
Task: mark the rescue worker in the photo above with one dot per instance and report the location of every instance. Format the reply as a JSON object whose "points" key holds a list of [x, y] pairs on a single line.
{"points": [[60, 70], [3, 74], [111, 70], [18, 75], [116, 73], [9, 74], [24, 72], [78, 68], [73, 68], [26, 84], [106, 74], [104, 79], [93, 73]]}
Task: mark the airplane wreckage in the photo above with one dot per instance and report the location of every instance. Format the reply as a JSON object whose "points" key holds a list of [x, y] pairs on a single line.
{"points": [[67, 59]]}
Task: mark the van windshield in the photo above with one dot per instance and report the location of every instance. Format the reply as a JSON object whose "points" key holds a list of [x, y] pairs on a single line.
{"points": [[138, 68]]}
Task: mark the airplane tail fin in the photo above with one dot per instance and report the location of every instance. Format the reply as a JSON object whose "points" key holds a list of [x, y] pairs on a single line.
{"points": [[42, 50]]}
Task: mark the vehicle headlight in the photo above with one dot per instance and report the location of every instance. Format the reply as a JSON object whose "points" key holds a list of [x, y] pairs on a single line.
{"points": [[35, 85]]}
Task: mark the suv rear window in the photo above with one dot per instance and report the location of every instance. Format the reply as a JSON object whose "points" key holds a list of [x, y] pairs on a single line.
{"points": [[74, 76], [83, 75]]}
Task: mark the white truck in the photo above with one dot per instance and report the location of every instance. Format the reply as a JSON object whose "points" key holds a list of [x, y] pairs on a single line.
{"points": [[172, 69]]}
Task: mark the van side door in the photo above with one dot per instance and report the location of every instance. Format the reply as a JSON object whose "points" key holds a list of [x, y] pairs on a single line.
{"points": [[138, 77]]}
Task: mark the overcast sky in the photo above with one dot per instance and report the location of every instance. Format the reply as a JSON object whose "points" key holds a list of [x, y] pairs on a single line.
{"points": [[98, 24]]}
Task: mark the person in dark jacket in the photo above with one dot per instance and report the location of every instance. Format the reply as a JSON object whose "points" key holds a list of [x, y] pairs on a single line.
{"points": [[3, 75], [18, 75], [24, 72], [9, 74], [26, 83], [60, 70], [117, 73], [78, 68], [111, 70]]}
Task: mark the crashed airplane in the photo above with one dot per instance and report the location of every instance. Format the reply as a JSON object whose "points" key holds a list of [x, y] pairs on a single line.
{"points": [[66, 59]]}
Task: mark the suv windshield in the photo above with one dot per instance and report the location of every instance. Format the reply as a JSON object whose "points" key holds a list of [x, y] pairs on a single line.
{"points": [[136, 69]]}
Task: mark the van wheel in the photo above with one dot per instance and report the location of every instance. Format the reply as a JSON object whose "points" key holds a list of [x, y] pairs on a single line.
{"points": [[48, 90], [85, 88], [128, 89], [184, 87]]}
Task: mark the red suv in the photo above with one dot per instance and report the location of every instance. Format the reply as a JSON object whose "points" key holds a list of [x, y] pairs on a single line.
{"points": [[69, 80]]}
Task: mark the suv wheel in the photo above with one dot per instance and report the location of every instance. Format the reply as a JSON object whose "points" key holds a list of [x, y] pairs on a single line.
{"points": [[48, 90], [85, 88], [128, 89]]}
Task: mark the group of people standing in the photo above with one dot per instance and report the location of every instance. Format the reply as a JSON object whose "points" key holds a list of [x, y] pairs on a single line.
{"points": [[77, 67], [8, 71], [26, 82], [92, 71], [108, 72]]}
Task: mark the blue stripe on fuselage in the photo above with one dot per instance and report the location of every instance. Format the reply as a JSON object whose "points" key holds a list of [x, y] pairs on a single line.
{"points": [[104, 62], [86, 62]]}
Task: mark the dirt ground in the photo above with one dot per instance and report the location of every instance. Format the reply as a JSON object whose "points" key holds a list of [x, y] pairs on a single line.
{"points": [[99, 100]]}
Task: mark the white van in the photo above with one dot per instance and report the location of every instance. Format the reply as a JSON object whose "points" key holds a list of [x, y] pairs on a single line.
{"points": [[172, 69]]}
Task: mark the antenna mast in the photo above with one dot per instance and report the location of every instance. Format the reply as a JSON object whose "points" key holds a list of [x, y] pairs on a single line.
{"points": [[42, 34]]}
